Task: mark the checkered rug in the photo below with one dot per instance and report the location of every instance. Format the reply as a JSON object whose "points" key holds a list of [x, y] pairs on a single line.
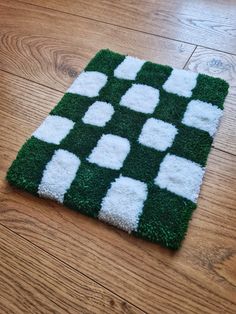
{"points": [[127, 144]]}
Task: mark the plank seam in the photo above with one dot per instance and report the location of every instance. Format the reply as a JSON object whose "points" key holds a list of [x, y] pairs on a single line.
{"points": [[125, 27], [69, 266]]}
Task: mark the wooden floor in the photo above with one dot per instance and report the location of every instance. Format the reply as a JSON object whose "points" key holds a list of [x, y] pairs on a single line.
{"points": [[53, 260]]}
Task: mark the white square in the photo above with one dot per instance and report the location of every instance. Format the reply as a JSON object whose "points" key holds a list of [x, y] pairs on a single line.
{"points": [[123, 204], [88, 84], [53, 129], [157, 134], [180, 176], [110, 152], [99, 113], [181, 82], [203, 116], [58, 175], [128, 68], [141, 98]]}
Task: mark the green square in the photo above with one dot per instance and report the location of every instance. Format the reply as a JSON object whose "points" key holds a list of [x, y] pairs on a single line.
{"points": [[82, 139], [27, 169], [114, 90], [72, 106], [105, 62], [145, 207], [210, 89], [153, 75], [165, 217], [86, 183], [135, 166], [123, 121], [171, 107], [192, 144]]}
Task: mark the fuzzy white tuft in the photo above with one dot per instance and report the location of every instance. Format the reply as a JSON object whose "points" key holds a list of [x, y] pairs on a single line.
{"points": [[157, 134], [123, 204], [128, 68], [53, 129], [110, 152], [203, 116], [181, 82], [141, 98], [88, 84], [180, 176], [99, 113], [58, 175]]}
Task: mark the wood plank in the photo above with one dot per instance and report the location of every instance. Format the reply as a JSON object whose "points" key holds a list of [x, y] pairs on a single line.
{"points": [[221, 65], [50, 47], [32, 281], [189, 21], [200, 278]]}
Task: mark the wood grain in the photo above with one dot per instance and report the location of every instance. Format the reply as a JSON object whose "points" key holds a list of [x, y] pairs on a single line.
{"points": [[52, 257], [32, 281], [203, 22], [200, 278], [50, 47]]}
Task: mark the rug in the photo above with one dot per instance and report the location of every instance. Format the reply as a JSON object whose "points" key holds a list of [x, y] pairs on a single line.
{"points": [[127, 144]]}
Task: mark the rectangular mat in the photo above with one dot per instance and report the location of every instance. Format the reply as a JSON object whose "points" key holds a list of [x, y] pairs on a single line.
{"points": [[127, 144]]}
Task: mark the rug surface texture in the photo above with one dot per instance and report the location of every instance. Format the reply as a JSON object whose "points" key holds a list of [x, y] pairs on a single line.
{"points": [[127, 144]]}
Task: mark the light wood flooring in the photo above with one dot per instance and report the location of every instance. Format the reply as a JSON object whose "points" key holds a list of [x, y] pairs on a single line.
{"points": [[54, 260]]}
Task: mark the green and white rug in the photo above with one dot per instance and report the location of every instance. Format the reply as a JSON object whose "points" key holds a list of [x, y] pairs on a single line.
{"points": [[127, 144]]}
